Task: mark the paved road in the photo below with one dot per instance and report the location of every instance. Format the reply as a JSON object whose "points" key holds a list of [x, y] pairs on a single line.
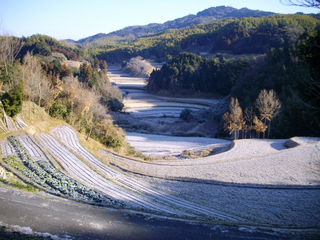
{"points": [[77, 221]]}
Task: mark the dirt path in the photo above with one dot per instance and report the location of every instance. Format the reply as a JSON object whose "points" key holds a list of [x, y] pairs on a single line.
{"points": [[61, 219]]}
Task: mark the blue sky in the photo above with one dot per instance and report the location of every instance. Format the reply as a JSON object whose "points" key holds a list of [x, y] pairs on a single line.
{"points": [[76, 19]]}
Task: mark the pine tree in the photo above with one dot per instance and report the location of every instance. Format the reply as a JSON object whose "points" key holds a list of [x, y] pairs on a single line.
{"points": [[96, 63], [103, 65]]}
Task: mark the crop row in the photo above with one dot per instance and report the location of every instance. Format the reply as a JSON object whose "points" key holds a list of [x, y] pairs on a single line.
{"points": [[31, 146], [81, 171], [6, 149], [153, 197], [44, 174]]}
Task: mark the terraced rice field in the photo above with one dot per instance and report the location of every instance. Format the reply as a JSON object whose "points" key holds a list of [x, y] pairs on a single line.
{"points": [[87, 179], [151, 144], [143, 105], [120, 186]]}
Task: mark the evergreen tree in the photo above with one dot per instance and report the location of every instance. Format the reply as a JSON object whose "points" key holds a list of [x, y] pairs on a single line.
{"points": [[86, 72], [103, 65], [13, 99], [96, 63]]}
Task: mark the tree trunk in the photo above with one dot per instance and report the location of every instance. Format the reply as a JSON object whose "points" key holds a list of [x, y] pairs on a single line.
{"points": [[269, 129], [39, 94], [90, 131], [264, 132]]}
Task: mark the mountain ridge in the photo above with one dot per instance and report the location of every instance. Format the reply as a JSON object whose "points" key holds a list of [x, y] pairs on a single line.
{"points": [[132, 32]]}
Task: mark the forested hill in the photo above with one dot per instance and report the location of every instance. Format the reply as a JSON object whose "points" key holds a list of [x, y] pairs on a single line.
{"points": [[133, 32], [249, 35]]}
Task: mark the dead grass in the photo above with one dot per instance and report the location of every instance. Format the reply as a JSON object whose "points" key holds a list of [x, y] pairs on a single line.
{"points": [[138, 67], [70, 63], [190, 154]]}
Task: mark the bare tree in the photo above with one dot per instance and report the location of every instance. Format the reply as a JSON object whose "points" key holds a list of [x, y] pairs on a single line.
{"points": [[9, 48], [72, 91], [302, 3], [234, 120], [249, 116], [259, 126], [269, 106], [108, 90], [84, 106], [37, 87]]}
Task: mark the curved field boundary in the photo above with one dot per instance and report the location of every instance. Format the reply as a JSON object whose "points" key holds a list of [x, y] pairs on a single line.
{"points": [[272, 167], [32, 147], [87, 176], [20, 124], [159, 198], [7, 149]]}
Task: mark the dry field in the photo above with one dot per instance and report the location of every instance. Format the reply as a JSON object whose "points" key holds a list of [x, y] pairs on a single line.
{"points": [[158, 114], [141, 104], [262, 181], [259, 184], [254, 184]]}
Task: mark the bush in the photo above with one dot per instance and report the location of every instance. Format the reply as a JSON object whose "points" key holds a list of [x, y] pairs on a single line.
{"points": [[58, 110], [115, 105], [13, 99], [186, 115], [187, 154]]}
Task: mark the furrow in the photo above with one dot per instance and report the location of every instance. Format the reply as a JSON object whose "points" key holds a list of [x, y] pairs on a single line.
{"points": [[69, 138], [86, 175]]}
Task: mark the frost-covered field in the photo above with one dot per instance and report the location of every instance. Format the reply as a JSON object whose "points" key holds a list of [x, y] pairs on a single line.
{"points": [[261, 180], [86, 178], [167, 145], [251, 162], [257, 182], [253, 182], [141, 104]]}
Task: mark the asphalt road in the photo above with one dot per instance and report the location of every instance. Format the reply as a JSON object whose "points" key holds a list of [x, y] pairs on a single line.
{"points": [[67, 219]]}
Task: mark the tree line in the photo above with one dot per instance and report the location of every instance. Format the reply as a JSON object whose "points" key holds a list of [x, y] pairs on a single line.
{"points": [[188, 72], [81, 97], [43, 45], [235, 121], [291, 72], [251, 35]]}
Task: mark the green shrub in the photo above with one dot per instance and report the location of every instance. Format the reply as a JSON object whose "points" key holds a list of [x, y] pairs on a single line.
{"points": [[115, 105], [58, 110], [12, 100]]}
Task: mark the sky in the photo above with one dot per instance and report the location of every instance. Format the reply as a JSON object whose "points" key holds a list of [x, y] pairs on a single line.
{"points": [[76, 19]]}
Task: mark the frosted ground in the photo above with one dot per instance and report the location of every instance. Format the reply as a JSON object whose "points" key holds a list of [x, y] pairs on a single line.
{"points": [[268, 182]]}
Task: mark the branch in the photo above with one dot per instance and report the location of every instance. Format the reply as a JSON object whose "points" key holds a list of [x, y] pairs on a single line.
{"points": [[302, 3]]}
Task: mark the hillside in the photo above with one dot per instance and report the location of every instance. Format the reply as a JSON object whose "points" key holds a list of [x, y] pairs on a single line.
{"points": [[133, 32], [284, 66], [59, 140], [235, 36], [49, 156]]}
